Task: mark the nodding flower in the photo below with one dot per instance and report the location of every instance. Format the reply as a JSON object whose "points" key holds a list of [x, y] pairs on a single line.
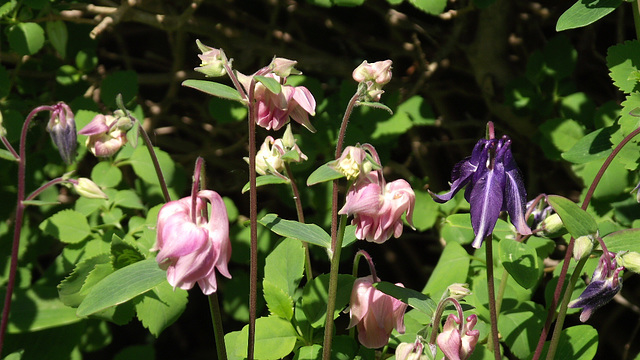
{"points": [[62, 128], [494, 184]]}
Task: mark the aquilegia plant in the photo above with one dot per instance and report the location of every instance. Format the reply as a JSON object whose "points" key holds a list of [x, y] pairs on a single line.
{"points": [[135, 242]]}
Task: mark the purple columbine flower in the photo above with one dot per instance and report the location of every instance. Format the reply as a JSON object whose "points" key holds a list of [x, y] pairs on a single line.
{"points": [[493, 183], [606, 282]]}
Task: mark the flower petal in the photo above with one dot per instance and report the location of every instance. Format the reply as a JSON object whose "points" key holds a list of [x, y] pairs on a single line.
{"points": [[486, 201]]}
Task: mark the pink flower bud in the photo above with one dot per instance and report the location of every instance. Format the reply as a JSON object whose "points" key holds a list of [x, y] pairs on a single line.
{"points": [[105, 137], [212, 61], [283, 67], [454, 345], [374, 313], [191, 251], [379, 72]]}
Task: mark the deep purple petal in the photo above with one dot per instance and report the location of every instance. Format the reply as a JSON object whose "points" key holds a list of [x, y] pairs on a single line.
{"points": [[597, 294], [486, 201], [462, 171], [515, 195]]}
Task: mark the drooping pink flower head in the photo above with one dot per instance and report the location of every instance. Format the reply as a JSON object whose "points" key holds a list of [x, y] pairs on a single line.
{"points": [[456, 345], [377, 208], [372, 78], [374, 313], [275, 110], [192, 251], [106, 133]]}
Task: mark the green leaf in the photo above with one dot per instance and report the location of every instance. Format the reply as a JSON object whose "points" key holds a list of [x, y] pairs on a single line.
{"points": [[36, 309], [128, 199], [58, 36], [521, 261], [265, 180], [105, 174], [577, 221], [270, 83], [122, 285], [375, 105], [310, 233], [585, 12], [143, 167], [275, 338], [315, 294], [311, 352], [75, 287], [284, 266], [594, 146], [26, 38], [576, 342], [123, 253], [415, 299], [161, 307], [214, 88], [133, 135], [452, 267], [119, 82], [520, 329], [67, 225], [324, 173], [39, 203], [623, 240], [559, 135], [623, 61], [278, 301], [433, 7]]}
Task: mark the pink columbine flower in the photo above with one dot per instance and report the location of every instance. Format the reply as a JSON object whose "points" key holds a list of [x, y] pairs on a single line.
{"points": [[377, 208], [454, 345], [107, 134], [211, 61], [192, 251], [374, 313], [275, 110]]}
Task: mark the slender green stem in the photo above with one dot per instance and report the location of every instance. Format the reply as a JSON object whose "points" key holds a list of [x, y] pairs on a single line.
{"points": [[300, 212], [493, 315], [13, 267], [333, 290], [501, 290], [7, 144], [567, 259], [218, 332], [156, 163], [437, 317], [253, 216], [562, 312]]}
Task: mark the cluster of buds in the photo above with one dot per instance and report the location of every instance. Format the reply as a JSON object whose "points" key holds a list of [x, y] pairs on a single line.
{"points": [[606, 282], [274, 153], [374, 313], [62, 128], [107, 133], [377, 207], [372, 77]]}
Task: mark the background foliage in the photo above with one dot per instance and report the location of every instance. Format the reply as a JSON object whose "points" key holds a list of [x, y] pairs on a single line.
{"points": [[457, 65]]}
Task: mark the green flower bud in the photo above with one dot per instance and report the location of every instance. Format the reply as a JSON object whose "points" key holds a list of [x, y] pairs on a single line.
{"points": [[583, 246], [89, 189], [630, 260], [552, 226]]}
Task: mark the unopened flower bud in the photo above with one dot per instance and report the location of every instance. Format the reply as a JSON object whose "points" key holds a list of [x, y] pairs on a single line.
{"points": [[552, 226], [411, 351], [123, 122], [89, 189], [458, 291], [378, 72], [287, 138], [630, 260], [583, 246], [62, 128], [3, 131], [212, 61], [283, 67]]}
